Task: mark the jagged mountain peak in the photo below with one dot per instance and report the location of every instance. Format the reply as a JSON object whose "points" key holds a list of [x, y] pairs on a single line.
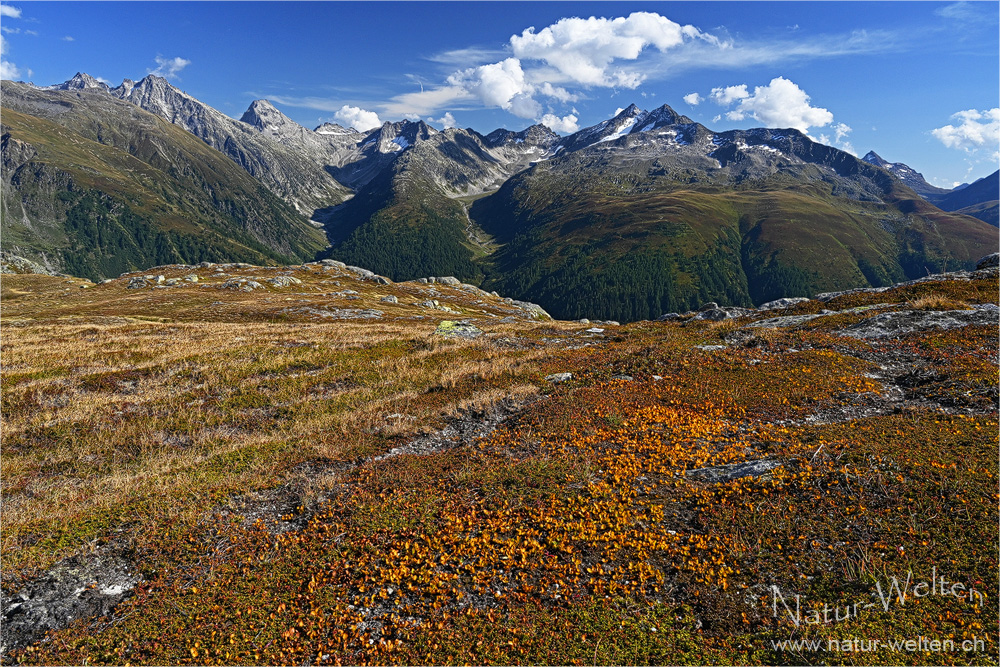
{"points": [[265, 116], [335, 129], [392, 137], [907, 174], [534, 135], [80, 81], [871, 157]]}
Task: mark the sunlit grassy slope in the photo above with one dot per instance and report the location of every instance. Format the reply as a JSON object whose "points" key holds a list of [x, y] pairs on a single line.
{"points": [[635, 244], [226, 443]]}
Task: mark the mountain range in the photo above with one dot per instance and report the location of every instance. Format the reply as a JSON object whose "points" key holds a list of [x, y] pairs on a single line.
{"points": [[978, 199], [645, 213]]}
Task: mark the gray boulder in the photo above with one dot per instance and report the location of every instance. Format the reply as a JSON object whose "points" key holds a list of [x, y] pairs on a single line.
{"points": [[283, 281], [988, 261], [720, 314], [786, 302], [361, 273], [556, 378]]}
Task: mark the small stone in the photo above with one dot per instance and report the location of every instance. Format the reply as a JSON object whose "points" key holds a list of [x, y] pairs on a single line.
{"points": [[583, 321], [556, 378], [389, 299], [626, 378]]}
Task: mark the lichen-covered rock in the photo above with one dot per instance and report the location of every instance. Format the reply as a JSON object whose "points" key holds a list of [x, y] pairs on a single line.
{"points": [[242, 284], [902, 322], [364, 274], [720, 314], [389, 299], [457, 330], [556, 378], [449, 280], [284, 281], [786, 302], [731, 471]]}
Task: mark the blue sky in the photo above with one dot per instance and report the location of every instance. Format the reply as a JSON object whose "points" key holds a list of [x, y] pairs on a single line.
{"points": [[916, 82]]}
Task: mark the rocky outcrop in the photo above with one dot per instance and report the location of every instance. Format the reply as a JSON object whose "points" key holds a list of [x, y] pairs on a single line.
{"points": [[80, 587], [903, 322]]}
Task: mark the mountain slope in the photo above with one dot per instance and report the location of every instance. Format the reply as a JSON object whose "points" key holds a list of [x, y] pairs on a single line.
{"points": [[665, 219], [408, 221], [295, 175], [96, 186]]}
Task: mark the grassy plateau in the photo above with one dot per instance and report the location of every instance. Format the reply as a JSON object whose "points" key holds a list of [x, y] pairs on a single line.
{"points": [[306, 473]]}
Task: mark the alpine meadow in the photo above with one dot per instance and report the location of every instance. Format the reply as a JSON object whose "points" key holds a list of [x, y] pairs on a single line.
{"points": [[571, 333]]}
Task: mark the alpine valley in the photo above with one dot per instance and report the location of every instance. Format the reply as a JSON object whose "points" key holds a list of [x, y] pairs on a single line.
{"points": [[643, 214]]}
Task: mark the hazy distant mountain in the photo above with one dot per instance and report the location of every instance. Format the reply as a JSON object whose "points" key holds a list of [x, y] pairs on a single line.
{"points": [[980, 199]]}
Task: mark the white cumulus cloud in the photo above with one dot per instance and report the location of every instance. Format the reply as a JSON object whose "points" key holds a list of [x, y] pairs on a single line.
{"points": [[839, 140], [360, 119], [976, 129], [729, 94], [446, 120], [495, 85], [544, 66], [10, 12], [8, 70], [567, 124], [694, 99], [781, 103], [584, 51], [168, 68]]}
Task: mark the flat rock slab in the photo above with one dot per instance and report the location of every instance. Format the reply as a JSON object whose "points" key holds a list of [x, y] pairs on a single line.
{"points": [[885, 325], [731, 471], [75, 588]]}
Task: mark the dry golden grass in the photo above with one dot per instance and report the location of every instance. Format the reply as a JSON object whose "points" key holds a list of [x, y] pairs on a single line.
{"points": [[938, 302], [111, 419]]}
